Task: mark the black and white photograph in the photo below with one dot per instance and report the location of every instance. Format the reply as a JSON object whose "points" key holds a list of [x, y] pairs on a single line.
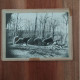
{"points": [[36, 34]]}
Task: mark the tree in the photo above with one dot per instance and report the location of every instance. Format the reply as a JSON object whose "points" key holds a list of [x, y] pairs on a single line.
{"points": [[43, 22], [50, 24], [8, 17], [16, 26], [35, 25], [61, 36], [65, 16], [27, 28], [53, 23]]}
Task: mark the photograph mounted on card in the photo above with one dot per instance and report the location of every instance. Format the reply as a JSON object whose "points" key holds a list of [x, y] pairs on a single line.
{"points": [[36, 35]]}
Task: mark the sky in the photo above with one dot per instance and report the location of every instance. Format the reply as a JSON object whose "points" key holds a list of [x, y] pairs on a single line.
{"points": [[31, 16], [25, 17]]}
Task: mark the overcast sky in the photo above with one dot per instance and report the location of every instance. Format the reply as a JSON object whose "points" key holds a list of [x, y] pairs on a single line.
{"points": [[31, 17]]}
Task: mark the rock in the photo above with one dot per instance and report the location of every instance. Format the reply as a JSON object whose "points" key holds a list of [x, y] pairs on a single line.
{"points": [[48, 41], [19, 41], [15, 39], [25, 40], [30, 41], [38, 41]]}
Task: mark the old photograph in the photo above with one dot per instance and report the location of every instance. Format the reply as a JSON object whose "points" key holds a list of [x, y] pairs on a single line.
{"points": [[43, 34]]}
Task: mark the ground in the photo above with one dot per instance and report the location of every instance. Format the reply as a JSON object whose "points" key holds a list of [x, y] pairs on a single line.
{"points": [[31, 51]]}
